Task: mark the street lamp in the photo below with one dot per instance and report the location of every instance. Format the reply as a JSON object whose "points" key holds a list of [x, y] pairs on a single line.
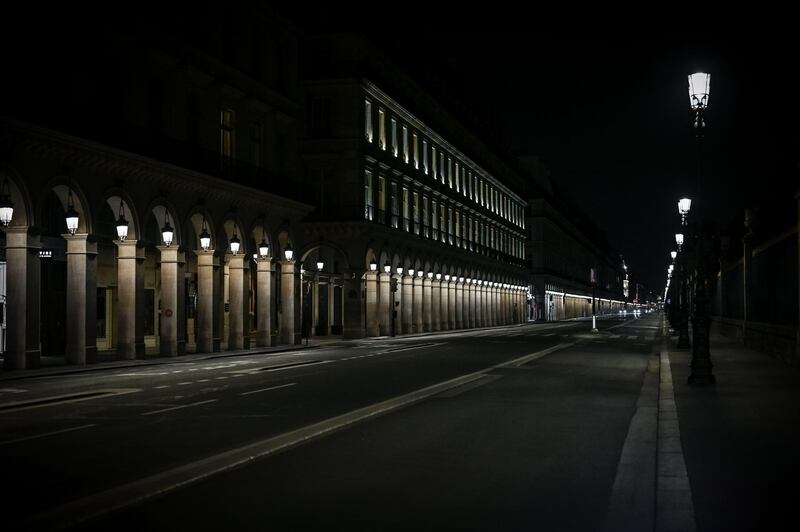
{"points": [[122, 223], [679, 240], [387, 267], [288, 253], [373, 265], [699, 90], [673, 254], [701, 366], [235, 242], [205, 238], [439, 276], [263, 247], [684, 204], [71, 215], [447, 277], [6, 205], [399, 270], [430, 275], [167, 233]]}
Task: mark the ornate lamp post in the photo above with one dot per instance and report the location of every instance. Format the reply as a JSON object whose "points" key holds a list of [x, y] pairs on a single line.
{"points": [[167, 233], [701, 366], [683, 317], [6, 205]]}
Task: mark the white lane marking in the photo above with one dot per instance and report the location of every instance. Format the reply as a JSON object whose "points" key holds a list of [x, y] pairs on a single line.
{"points": [[179, 407], [183, 383], [222, 378], [53, 433], [63, 399], [633, 492], [162, 386], [98, 504], [12, 390], [203, 380], [632, 337], [549, 334], [517, 362], [299, 366], [141, 374], [268, 389], [674, 507]]}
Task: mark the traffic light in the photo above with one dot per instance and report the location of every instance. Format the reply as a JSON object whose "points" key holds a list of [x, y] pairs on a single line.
{"points": [[394, 284]]}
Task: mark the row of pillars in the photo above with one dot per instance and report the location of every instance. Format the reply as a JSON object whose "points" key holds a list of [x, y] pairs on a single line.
{"points": [[24, 290], [424, 305]]}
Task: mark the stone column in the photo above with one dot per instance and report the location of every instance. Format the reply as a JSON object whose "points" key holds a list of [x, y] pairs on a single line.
{"points": [[373, 315], [427, 305], [478, 296], [218, 276], [180, 309], [469, 311], [444, 302], [290, 304], [417, 318], [130, 338], [385, 304], [460, 305], [204, 319], [81, 348], [238, 302], [264, 302], [407, 304], [353, 293], [451, 307], [169, 300], [23, 286], [436, 304]]}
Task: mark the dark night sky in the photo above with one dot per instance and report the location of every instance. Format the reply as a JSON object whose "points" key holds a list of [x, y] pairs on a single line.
{"points": [[608, 114]]}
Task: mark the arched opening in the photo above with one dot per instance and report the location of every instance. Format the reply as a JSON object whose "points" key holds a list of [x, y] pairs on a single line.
{"points": [[322, 289]]}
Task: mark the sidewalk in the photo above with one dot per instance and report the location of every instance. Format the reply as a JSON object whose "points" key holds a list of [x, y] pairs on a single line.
{"points": [[740, 438], [54, 366]]}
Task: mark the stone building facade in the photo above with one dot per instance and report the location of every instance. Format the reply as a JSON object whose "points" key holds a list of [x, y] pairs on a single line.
{"points": [[184, 124]]}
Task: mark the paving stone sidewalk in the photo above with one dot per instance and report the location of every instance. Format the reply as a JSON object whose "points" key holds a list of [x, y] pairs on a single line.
{"points": [[741, 438]]}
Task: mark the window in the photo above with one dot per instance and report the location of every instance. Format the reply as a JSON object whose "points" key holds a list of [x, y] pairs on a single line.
{"points": [[381, 129], [450, 239], [226, 130], [434, 221], [443, 221], [458, 228], [368, 215], [394, 137], [426, 220], [425, 156], [382, 199], [405, 144], [433, 160], [395, 207], [415, 213], [458, 178], [441, 167], [406, 213], [449, 171], [368, 120], [415, 147]]}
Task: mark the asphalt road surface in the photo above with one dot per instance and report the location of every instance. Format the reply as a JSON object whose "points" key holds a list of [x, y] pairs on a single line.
{"points": [[513, 428]]}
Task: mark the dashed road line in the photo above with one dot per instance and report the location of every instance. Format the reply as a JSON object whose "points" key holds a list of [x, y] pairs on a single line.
{"points": [[179, 407], [53, 433], [268, 389]]}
